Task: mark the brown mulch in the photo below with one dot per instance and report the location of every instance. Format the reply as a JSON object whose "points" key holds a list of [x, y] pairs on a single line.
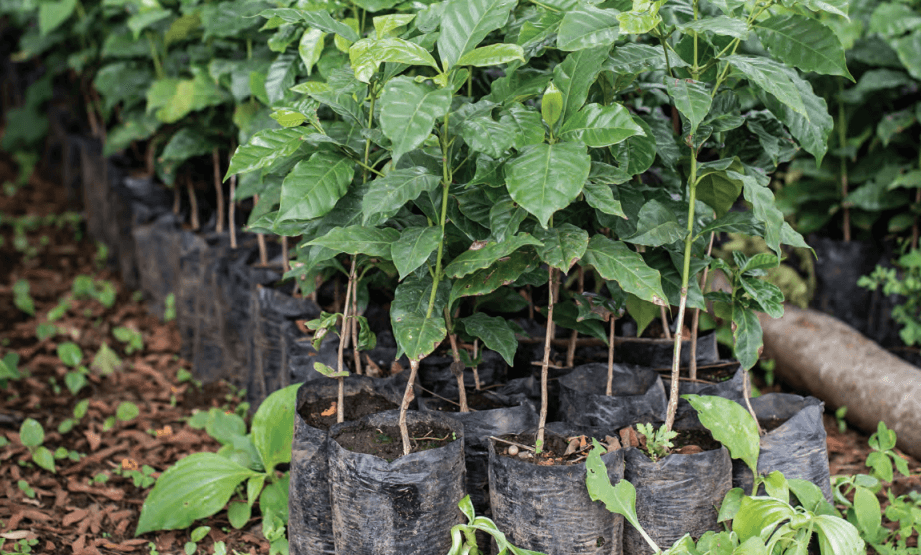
{"points": [[87, 507]]}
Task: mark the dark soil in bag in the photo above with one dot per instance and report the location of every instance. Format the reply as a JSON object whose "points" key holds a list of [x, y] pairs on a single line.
{"points": [[676, 495], [545, 507], [658, 353], [638, 395], [310, 528], [794, 442], [406, 506]]}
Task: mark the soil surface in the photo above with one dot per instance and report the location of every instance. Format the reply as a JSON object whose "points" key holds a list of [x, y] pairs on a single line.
{"points": [[91, 504], [322, 414], [555, 451], [384, 442]]}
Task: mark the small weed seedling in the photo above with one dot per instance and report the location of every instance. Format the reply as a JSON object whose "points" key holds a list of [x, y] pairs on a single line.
{"points": [[658, 442], [463, 536], [141, 477], [79, 412], [9, 368], [132, 339], [21, 297], [197, 535], [32, 435], [71, 355]]}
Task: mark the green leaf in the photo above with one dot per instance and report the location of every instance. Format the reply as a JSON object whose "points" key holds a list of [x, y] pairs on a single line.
{"points": [[642, 312], [747, 336], [633, 58], [526, 125], [721, 25], [265, 148], [620, 499], [762, 200], [414, 247], [74, 381], [386, 195], [144, 19], [127, 411], [691, 98], [366, 55], [495, 332], [732, 222], [408, 112], [503, 272], [386, 25], [319, 19], [70, 354], [273, 427], [812, 129], [838, 536], [563, 245], [356, 239], [314, 186], [867, 510], [893, 19], [492, 55], [759, 516], [31, 433], [600, 126], [465, 23], [505, 216], [575, 75], [838, 7], [196, 487], [52, 14], [909, 50], [656, 226], [480, 256], [551, 105], [772, 77], [766, 294], [637, 153], [730, 424], [545, 178], [310, 47], [587, 27], [484, 134], [615, 262], [804, 43], [643, 18], [417, 335], [600, 197], [716, 188], [43, 457], [239, 513], [280, 76]]}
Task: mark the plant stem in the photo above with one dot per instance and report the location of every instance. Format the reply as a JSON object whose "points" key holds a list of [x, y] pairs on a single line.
{"points": [[231, 220], [340, 404], [404, 404], [476, 372], [343, 337], [692, 371], [154, 55], [664, 317], [219, 191], [355, 352], [194, 208], [610, 387], [685, 277], [539, 442], [457, 368], [285, 266]]}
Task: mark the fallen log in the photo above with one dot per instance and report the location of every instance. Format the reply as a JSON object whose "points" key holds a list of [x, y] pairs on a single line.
{"points": [[834, 362]]}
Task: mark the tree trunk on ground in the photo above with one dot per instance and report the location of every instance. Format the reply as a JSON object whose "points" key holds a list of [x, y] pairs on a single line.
{"points": [[834, 362]]}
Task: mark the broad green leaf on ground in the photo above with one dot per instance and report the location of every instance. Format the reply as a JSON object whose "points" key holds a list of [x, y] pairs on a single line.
{"points": [[772, 77], [314, 186], [600, 197], [495, 332], [587, 27], [730, 424], [414, 247], [715, 188], [614, 261], [805, 43], [408, 112], [482, 256], [417, 335], [575, 75], [386, 195], [563, 245], [196, 487], [273, 427], [720, 25], [545, 178], [747, 336], [265, 148], [502, 272], [838, 536], [811, 130], [600, 126], [656, 226], [356, 239], [465, 23], [492, 55], [691, 98], [484, 134]]}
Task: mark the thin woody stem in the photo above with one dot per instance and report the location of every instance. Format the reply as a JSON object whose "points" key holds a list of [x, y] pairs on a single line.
{"points": [[695, 322], [218, 189], [404, 405], [610, 387], [539, 443]]}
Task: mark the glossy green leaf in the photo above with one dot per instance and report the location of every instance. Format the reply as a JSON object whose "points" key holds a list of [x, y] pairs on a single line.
{"points": [[656, 226], [414, 247], [575, 75], [545, 178], [310, 47], [551, 105], [314, 186], [642, 18], [720, 25], [614, 261], [417, 335], [805, 43], [265, 148], [716, 188], [495, 332], [526, 125], [600, 197], [408, 112], [196, 487], [766, 294], [503, 272], [563, 245], [747, 336], [893, 19], [633, 58], [51, 14], [772, 77], [637, 153], [762, 200], [492, 55], [642, 312], [733, 222], [484, 134], [31, 433], [838, 536], [587, 27], [386, 25], [273, 427], [280, 77], [386, 195], [356, 239], [366, 55], [412, 297], [600, 126], [620, 499], [730, 424], [465, 23], [909, 50], [691, 98], [812, 129], [43, 457], [838, 7], [759, 516], [505, 216], [481, 256]]}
